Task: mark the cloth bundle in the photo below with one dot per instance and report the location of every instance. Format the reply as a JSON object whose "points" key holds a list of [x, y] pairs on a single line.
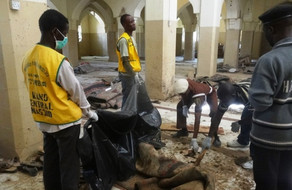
{"points": [[159, 173]]}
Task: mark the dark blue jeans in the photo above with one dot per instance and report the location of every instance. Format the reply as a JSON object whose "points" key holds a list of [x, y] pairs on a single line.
{"points": [[61, 159], [246, 123]]}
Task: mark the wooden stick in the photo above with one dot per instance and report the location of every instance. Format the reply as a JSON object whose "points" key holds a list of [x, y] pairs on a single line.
{"points": [[200, 157]]}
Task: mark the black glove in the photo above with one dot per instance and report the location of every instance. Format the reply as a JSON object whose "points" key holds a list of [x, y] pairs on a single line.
{"points": [[235, 127]]}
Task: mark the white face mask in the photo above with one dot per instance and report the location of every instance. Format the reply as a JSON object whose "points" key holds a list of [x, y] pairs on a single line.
{"points": [[60, 44]]}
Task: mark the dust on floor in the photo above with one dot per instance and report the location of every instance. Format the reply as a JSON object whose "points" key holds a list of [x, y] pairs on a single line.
{"points": [[220, 162]]}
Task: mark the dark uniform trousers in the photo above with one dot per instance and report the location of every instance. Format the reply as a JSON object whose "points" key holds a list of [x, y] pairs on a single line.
{"points": [[61, 160], [271, 171]]}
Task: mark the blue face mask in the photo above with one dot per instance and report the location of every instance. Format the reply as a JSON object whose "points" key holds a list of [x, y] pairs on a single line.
{"points": [[60, 44]]}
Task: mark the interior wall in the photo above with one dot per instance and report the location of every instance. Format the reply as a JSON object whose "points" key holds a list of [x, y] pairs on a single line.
{"points": [[222, 32], [19, 32], [83, 47], [98, 37]]}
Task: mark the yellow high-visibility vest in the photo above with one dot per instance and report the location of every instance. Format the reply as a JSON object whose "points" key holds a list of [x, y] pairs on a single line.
{"points": [[133, 55], [48, 100]]}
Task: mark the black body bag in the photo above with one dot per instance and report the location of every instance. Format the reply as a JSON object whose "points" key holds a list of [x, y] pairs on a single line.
{"points": [[111, 153], [149, 120]]}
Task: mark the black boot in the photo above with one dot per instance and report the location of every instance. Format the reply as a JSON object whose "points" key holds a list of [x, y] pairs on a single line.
{"points": [[217, 142], [181, 133]]}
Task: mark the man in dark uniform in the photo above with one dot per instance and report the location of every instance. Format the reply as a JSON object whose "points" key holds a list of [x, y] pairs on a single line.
{"points": [[270, 94], [229, 93]]}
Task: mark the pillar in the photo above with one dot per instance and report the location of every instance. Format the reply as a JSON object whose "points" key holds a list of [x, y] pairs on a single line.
{"points": [[111, 44], [112, 38], [233, 29], [231, 53], [189, 52], [209, 22], [19, 31], [71, 49], [178, 50], [257, 40], [160, 35], [246, 41], [140, 38]]}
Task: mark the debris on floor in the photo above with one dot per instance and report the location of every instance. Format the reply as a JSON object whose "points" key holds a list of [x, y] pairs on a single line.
{"points": [[103, 95], [8, 165], [32, 165], [7, 177], [248, 70], [84, 67]]}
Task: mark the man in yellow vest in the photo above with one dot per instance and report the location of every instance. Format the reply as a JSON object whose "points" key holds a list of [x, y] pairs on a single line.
{"points": [[129, 61], [57, 102]]}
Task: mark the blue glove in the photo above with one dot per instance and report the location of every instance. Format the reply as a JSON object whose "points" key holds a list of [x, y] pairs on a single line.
{"points": [[194, 145], [206, 144], [185, 111]]}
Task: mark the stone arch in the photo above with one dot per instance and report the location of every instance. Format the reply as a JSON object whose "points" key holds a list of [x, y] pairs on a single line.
{"points": [[100, 7], [139, 8], [139, 14], [106, 14], [185, 44], [51, 5]]}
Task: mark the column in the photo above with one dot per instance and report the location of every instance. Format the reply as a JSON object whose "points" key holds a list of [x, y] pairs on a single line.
{"points": [[208, 36], [140, 38], [178, 50], [256, 44], [19, 31], [112, 44], [233, 29], [71, 49], [112, 37], [231, 53], [248, 29], [189, 53], [160, 35]]}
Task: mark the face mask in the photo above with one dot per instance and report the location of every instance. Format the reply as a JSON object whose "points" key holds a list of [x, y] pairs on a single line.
{"points": [[61, 44]]}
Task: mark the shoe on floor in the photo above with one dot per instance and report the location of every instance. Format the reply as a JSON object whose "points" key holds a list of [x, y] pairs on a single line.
{"points": [[248, 165], [181, 133], [235, 144], [217, 142]]}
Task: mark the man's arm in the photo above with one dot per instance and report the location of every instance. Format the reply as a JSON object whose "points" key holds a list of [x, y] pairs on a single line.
{"points": [[123, 48], [263, 85], [127, 66]]}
